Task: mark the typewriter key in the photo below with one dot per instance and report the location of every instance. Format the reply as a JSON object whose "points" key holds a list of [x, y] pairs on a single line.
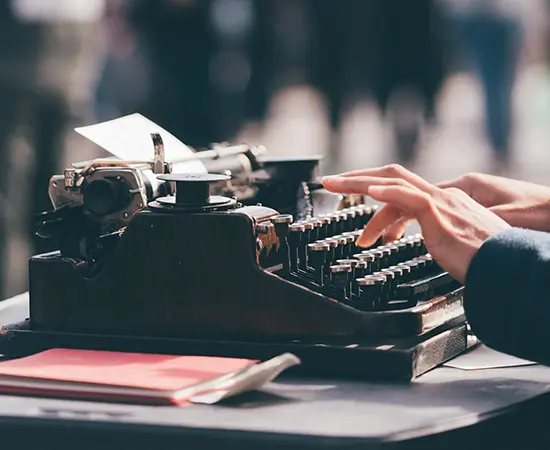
{"points": [[334, 224], [406, 272], [343, 224], [410, 248], [429, 260], [294, 238], [350, 219], [369, 259], [402, 249], [338, 268], [367, 215], [349, 246], [308, 225], [305, 240], [359, 272], [421, 265], [340, 279], [282, 226], [370, 292], [391, 284], [378, 262], [340, 250], [315, 233], [325, 227], [386, 257], [414, 269], [419, 248], [282, 218], [399, 272], [394, 254], [318, 258], [358, 218], [353, 264], [427, 263], [349, 262], [333, 244]]}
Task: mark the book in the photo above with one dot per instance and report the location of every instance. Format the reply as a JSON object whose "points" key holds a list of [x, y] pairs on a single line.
{"points": [[136, 377]]}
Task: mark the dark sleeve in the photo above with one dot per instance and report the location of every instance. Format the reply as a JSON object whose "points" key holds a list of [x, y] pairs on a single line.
{"points": [[507, 295]]}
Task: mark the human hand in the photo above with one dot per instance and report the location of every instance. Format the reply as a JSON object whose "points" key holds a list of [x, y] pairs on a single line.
{"points": [[454, 225], [521, 204]]}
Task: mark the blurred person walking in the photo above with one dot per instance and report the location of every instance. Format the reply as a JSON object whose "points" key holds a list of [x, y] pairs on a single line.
{"points": [[389, 50], [48, 50], [176, 40], [490, 33]]}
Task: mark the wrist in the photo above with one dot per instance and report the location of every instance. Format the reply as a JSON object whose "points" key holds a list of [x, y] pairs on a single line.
{"points": [[533, 216], [537, 216], [545, 213]]}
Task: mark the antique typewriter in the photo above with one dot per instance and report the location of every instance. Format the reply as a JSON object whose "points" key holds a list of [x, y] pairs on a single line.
{"points": [[252, 260]]}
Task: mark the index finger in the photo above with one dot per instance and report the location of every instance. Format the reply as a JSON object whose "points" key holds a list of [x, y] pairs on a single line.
{"points": [[359, 185], [402, 202], [392, 171], [382, 220]]}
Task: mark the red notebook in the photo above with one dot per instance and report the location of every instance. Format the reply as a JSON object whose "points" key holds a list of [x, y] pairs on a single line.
{"points": [[125, 377]]}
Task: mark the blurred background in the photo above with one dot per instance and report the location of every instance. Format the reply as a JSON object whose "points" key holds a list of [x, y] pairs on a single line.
{"points": [[441, 86]]}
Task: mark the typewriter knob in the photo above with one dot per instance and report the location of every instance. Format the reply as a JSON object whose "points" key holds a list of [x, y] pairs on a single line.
{"points": [[193, 189], [105, 196], [193, 192]]}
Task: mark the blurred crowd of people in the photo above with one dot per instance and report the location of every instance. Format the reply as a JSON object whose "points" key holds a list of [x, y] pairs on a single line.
{"points": [[203, 68]]}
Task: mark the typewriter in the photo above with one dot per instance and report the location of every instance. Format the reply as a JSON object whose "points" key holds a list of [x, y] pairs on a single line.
{"points": [[249, 259]]}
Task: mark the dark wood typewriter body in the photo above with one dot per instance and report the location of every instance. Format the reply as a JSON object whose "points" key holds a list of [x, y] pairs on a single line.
{"points": [[209, 283], [197, 276]]}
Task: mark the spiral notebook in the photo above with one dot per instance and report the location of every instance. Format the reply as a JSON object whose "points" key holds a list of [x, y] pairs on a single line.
{"points": [[136, 377]]}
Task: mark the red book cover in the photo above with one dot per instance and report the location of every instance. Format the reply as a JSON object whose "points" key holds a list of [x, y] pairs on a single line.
{"points": [[104, 375]]}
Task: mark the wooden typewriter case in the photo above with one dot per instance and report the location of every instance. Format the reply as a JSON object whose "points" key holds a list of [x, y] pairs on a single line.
{"points": [[191, 283], [196, 275]]}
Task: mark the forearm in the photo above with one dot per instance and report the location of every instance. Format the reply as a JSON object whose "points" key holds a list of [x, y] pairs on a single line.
{"points": [[507, 299], [533, 216]]}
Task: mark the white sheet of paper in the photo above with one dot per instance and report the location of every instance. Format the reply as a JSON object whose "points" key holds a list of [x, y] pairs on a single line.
{"points": [[129, 138], [251, 378], [483, 357]]}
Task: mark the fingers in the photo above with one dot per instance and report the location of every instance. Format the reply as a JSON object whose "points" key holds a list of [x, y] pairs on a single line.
{"points": [[407, 196], [403, 203], [396, 231], [392, 171], [387, 216], [461, 183], [468, 183], [411, 201], [359, 184]]}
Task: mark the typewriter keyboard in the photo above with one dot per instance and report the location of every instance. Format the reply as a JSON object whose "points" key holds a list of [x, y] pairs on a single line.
{"points": [[321, 254]]}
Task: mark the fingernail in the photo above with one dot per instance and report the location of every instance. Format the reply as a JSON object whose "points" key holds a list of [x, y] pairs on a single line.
{"points": [[363, 242]]}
